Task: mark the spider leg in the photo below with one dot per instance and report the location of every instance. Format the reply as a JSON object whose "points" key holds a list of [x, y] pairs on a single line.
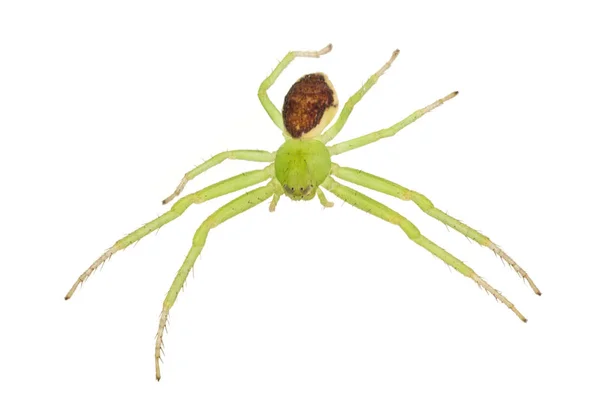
{"points": [[324, 202], [226, 186], [276, 195], [268, 105], [274, 202], [393, 189], [229, 210], [384, 133], [245, 155], [354, 99], [377, 209]]}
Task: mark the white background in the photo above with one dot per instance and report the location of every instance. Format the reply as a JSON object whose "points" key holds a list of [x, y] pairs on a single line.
{"points": [[104, 106]]}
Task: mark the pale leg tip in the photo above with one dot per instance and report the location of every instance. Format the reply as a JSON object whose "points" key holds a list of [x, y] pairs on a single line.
{"points": [[170, 198], [326, 49], [521, 317]]}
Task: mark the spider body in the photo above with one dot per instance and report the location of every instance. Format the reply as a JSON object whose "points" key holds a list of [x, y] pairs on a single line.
{"points": [[299, 169]]}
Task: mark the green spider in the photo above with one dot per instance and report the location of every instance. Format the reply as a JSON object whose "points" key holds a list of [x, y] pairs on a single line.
{"points": [[298, 169]]}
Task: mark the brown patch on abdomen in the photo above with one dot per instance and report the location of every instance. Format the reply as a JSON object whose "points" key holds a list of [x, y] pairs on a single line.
{"points": [[305, 104]]}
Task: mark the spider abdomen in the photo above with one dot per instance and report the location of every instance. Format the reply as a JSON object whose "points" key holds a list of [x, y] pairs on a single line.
{"points": [[309, 106]]}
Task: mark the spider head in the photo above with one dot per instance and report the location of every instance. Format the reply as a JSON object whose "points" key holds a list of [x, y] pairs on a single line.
{"points": [[309, 106], [299, 192], [301, 166]]}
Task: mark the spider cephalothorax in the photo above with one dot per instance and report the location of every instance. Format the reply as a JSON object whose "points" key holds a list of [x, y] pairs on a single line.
{"points": [[301, 166], [298, 169]]}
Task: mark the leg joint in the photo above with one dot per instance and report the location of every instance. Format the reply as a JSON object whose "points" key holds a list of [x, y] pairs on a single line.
{"points": [[423, 202], [408, 227], [200, 236]]}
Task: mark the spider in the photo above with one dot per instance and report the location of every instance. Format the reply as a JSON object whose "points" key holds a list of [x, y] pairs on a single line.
{"points": [[299, 169]]}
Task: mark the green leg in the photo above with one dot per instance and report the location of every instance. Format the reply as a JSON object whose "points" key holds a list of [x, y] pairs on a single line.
{"points": [[268, 105], [377, 209], [391, 131], [390, 188], [276, 195], [274, 202], [352, 101], [324, 202], [218, 189], [245, 155], [229, 210]]}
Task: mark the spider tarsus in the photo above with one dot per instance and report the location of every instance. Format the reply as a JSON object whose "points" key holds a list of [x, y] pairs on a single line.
{"points": [[497, 295], [388, 64], [521, 317], [72, 291], [178, 190], [159, 345], [314, 54], [325, 49], [520, 271], [168, 199]]}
